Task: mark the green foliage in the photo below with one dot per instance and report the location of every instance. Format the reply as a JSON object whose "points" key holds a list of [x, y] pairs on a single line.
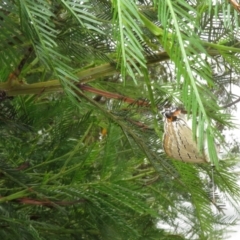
{"points": [[129, 37], [76, 165]]}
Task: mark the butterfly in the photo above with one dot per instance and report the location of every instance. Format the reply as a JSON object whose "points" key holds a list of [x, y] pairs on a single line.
{"points": [[178, 142]]}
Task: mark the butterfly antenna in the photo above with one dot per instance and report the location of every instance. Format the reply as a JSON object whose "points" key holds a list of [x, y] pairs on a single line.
{"points": [[213, 184]]}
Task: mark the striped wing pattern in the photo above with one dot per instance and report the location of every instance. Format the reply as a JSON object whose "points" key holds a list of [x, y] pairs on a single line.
{"points": [[177, 141]]}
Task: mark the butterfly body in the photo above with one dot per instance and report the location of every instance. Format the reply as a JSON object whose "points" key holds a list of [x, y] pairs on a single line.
{"points": [[178, 141]]}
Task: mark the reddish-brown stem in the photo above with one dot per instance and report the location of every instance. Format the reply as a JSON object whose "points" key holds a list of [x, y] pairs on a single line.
{"points": [[106, 94], [47, 203], [138, 124]]}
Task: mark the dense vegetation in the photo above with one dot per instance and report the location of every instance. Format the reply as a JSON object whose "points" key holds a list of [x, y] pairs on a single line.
{"points": [[82, 87]]}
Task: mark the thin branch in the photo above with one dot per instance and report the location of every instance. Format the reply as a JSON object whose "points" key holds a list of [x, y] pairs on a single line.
{"points": [[232, 103], [17, 71], [106, 94], [48, 203]]}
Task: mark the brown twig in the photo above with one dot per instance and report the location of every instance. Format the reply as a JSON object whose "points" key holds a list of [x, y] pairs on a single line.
{"points": [[106, 94], [23, 166], [232, 103], [17, 71], [48, 203], [141, 125]]}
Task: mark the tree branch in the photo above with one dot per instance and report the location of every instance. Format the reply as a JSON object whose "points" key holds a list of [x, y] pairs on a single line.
{"points": [[232, 103]]}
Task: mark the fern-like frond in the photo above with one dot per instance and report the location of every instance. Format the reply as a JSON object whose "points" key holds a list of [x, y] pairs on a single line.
{"points": [[183, 51], [128, 33]]}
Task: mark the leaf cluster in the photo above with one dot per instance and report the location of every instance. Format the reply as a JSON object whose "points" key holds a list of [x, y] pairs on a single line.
{"points": [[73, 166]]}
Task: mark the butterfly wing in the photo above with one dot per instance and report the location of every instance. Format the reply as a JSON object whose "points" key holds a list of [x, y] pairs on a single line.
{"points": [[178, 142]]}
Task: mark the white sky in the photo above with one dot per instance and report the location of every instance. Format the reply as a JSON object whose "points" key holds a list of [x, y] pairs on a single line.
{"points": [[234, 134]]}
